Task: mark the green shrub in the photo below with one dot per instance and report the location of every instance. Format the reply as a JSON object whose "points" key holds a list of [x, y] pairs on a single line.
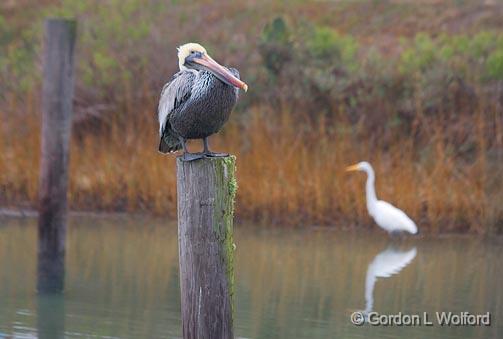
{"points": [[494, 65], [481, 43], [419, 56], [17, 58], [275, 45], [329, 46]]}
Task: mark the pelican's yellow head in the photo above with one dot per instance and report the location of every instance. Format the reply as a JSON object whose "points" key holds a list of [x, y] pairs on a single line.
{"points": [[186, 50], [194, 56]]}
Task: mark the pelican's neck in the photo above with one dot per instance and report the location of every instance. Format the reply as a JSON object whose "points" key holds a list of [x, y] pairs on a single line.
{"points": [[370, 190]]}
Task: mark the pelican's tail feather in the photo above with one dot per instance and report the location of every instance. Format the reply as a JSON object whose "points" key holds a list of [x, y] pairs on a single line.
{"points": [[169, 142], [165, 147]]}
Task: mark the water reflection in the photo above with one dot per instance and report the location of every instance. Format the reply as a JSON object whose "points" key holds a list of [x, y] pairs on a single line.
{"points": [[387, 263], [122, 282], [50, 270], [51, 316]]}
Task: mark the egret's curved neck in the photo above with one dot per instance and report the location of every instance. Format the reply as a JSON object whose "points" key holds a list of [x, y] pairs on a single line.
{"points": [[370, 190]]}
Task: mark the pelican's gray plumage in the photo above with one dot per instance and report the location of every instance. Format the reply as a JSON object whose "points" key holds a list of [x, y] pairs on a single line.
{"points": [[197, 102]]}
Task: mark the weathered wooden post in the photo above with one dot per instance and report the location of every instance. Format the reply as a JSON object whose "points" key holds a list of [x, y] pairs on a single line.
{"points": [[57, 96], [206, 190]]}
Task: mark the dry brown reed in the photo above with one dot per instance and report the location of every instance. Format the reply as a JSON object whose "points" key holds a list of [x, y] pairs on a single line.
{"points": [[289, 171]]}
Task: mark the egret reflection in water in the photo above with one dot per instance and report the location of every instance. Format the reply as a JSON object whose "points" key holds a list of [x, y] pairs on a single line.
{"points": [[387, 263]]}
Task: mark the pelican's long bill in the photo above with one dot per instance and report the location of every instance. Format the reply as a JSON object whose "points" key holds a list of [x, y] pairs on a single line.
{"points": [[220, 71], [352, 168]]}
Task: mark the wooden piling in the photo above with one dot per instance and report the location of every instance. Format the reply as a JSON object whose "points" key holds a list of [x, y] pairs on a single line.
{"points": [[206, 190], [57, 96]]}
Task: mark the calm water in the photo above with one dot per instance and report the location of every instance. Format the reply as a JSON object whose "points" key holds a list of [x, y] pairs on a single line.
{"points": [[122, 282]]}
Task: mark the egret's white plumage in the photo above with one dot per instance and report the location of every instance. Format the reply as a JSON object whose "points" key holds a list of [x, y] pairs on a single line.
{"points": [[384, 265], [385, 215]]}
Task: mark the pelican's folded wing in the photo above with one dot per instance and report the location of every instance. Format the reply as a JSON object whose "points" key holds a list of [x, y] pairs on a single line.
{"points": [[173, 95]]}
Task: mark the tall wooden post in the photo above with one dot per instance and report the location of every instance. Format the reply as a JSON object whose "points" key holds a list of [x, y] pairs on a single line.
{"points": [[57, 96], [206, 190]]}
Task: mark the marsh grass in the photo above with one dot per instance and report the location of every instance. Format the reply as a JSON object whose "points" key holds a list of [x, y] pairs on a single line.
{"points": [[289, 172], [413, 94]]}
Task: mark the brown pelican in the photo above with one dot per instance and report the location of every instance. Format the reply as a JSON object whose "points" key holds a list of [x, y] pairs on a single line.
{"points": [[197, 102]]}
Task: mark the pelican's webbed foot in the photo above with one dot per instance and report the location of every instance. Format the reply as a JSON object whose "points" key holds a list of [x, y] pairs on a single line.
{"points": [[210, 154], [186, 156], [216, 155]]}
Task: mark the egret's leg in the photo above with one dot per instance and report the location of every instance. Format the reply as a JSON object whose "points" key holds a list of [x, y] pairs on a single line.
{"points": [[396, 236], [393, 233], [187, 156], [209, 153]]}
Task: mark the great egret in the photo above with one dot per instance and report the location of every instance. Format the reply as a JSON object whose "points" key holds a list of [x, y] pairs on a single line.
{"points": [[385, 215]]}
